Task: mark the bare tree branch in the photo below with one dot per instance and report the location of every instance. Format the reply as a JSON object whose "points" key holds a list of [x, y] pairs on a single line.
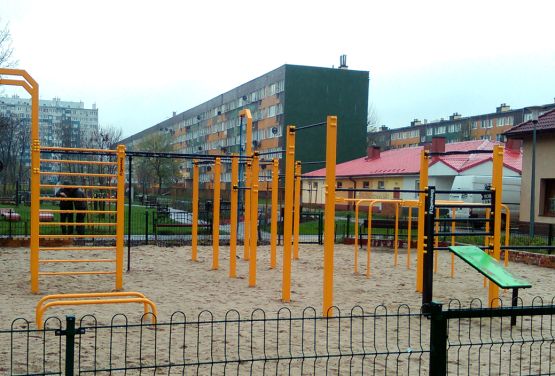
{"points": [[6, 49]]}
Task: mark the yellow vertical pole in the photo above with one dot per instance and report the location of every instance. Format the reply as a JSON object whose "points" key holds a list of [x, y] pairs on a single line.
{"points": [[436, 242], [356, 237], [194, 229], [453, 243], [216, 216], [420, 238], [254, 220], [396, 240], [288, 209], [297, 210], [497, 186], [369, 240], [233, 214], [35, 187], [275, 210], [409, 237], [247, 212], [329, 220], [120, 210]]}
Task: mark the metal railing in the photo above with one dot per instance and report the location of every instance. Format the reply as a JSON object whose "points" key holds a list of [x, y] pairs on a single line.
{"points": [[455, 340]]}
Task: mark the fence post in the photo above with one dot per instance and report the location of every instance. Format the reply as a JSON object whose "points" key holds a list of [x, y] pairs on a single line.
{"points": [[347, 226], [70, 333], [146, 227], [438, 340]]}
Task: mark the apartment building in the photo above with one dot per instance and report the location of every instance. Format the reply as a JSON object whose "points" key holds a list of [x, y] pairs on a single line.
{"points": [[457, 128], [290, 94]]}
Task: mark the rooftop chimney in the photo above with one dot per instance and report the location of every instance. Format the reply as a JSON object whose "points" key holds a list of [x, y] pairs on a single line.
{"points": [[174, 113], [384, 128], [438, 145], [343, 62], [415, 122], [373, 152], [513, 144], [503, 108], [455, 116]]}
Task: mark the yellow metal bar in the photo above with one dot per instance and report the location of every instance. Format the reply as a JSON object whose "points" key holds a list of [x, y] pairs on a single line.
{"points": [[49, 236], [76, 273], [420, 237], [194, 229], [35, 193], [88, 224], [84, 248], [216, 216], [288, 211], [85, 150], [497, 186], [297, 210], [10, 82], [369, 241], [234, 214], [62, 173], [99, 187], [120, 215], [247, 212], [409, 237], [329, 221], [76, 161], [40, 310], [396, 240], [254, 219], [356, 238], [76, 260], [273, 226], [45, 198], [78, 211]]}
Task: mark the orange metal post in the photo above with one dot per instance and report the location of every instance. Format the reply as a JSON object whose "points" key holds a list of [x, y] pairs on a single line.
{"points": [[216, 216], [233, 214], [254, 220], [194, 229], [120, 220], [247, 212], [497, 186], [288, 210], [275, 210], [420, 238], [297, 210], [329, 220]]}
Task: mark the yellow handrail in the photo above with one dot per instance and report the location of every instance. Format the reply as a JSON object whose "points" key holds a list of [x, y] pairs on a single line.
{"points": [[41, 307]]}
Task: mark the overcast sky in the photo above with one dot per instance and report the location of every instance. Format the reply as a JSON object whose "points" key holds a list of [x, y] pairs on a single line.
{"points": [[141, 60]]}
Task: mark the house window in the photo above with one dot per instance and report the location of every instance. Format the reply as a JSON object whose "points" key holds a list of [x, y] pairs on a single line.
{"points": [[339, 184], [547, 197], [381, 184], [474, 124], [365, 184]]}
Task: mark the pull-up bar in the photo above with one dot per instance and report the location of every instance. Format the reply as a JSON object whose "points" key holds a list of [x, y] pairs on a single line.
{"points": [[312, 162], [377, 190], [309, 126]]}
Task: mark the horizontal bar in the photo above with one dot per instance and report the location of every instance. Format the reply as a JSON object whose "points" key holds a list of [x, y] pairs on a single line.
{"points": [[105, 187], [312, 162], [500, 312], [459, 152], [468, 192], [463, 219], [457, 233], [182, 155], [44, 236], [465, 205], [45, 198], [78, 211], [75, 273], [76, 260], [75, 161], [61, 149], [242, 188], [54, 173], [517, 247], [309, 126], [85, 224], [377, 190], [90, 248]]}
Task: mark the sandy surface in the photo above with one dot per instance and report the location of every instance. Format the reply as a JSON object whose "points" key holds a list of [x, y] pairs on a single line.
{"points": [[175, 283]]}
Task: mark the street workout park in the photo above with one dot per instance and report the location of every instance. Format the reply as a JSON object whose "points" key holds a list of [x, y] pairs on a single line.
{"points": [[242, 307]]}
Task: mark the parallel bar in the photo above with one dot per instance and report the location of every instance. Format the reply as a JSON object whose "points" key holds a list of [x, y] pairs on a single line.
{"points": [[44, 236], [77, 161], [84, 224], [76, 273], [458, 233], [90, 248], [377, 190], [76, 260], [461, 205], [56, 149], [99, 187], [310, 126], [469, 192], [56, 173], [45, 198], [459, 219], [78, 211], [312, 162]]}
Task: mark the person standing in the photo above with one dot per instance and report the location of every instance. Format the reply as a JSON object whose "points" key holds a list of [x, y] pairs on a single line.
{"points": [[66, 207], [80, 206]]}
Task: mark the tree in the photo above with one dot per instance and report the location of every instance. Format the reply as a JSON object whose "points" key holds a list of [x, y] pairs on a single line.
{"points": [[157, 169], [6, 49], [373, 119]]}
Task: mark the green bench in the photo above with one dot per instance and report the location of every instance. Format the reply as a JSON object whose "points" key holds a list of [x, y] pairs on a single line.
{"points": [[492, 270]]}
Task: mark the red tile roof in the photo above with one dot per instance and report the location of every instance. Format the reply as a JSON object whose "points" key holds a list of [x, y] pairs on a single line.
{"points": [[546, 123], [406, 161]]}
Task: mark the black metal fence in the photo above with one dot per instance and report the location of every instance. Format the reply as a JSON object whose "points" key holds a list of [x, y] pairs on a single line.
{"points": [[457, 341]]}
